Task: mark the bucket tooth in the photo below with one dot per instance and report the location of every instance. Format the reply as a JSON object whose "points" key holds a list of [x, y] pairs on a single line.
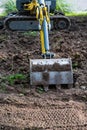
{"points": [[51, 71]]}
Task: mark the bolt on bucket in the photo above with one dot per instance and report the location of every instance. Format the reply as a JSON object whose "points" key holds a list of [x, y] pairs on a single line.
{"points": [[51, 71]]}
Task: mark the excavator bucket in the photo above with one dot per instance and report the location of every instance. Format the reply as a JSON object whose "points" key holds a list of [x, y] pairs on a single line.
{"points": [[51, 72]]}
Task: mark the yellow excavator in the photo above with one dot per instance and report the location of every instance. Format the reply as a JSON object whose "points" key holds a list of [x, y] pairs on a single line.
{"points": [[40, 15]]}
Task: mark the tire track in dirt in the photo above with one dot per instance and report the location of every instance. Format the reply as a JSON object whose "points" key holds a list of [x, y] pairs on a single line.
{"points": [[57, 115]]}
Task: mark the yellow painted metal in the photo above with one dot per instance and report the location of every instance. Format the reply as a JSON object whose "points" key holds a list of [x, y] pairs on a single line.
{"points": [[31, 6], [41, 16], [40, 12], [46, 14], [42, 42], [37, 13]]}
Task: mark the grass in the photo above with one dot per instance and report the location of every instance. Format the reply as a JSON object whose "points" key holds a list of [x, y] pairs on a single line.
{"points": [[29, 33], [12, 81], [67, 9], [61, 5], [12, 78], [76, 14], [2, 14], [9, 6]]}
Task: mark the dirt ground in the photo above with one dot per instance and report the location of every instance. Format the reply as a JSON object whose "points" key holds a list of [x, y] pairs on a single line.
{"points": [[26, 108]]}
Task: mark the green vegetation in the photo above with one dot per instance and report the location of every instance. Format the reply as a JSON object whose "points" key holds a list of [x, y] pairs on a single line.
{"points": [[29, 33], [14, 82], [67, 8], [2, 14], [76, 14], [75, 65], [64, 7], [40, 90], [11, 79], [61, 5], [8, 6]]}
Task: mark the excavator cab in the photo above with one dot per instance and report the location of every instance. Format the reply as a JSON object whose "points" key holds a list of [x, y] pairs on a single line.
{"points": [[35, 15]]}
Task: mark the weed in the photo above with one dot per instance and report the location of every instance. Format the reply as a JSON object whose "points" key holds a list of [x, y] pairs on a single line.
{"points": [[8, 6], [14, 77], [11, 79], [68, 9], [29, 33], [40, 89], [81, 14], [63, 6], [76, 64]]}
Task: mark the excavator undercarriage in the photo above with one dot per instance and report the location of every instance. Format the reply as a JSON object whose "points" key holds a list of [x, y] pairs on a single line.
{"points": [[25, 19], [30, 23]]}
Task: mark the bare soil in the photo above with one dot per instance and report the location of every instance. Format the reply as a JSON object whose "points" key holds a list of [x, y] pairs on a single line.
{"points": [[26, 108]]}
